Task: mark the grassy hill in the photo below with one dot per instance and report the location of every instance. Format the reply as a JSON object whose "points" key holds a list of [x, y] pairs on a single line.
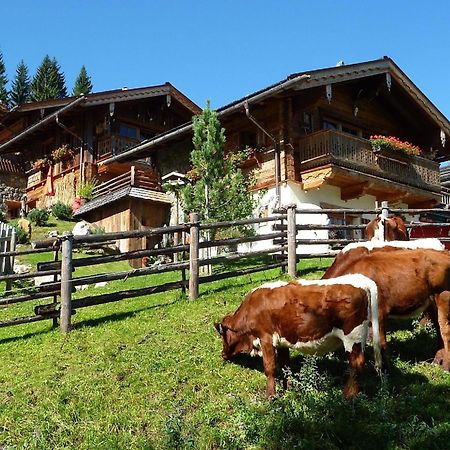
{"points": [[147, 374]]}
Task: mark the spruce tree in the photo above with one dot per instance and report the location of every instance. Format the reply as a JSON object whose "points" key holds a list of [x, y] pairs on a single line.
{"points": [[49, 81], [83, 84], [62, 90], [219, 191], [3, 81], [20, 89]]}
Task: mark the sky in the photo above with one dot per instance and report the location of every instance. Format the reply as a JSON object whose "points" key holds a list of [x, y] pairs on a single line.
{"points": [[224, 50]]}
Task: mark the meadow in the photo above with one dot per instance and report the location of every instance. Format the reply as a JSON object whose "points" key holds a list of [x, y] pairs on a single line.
{"points": [[146, 373]]}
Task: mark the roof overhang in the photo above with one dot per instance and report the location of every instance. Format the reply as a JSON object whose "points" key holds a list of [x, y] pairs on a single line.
{"points": [[303, 81], [222, 112], [38, 125]]}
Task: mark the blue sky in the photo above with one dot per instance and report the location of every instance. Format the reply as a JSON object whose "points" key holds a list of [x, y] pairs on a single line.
{"points": [[223, 50]]}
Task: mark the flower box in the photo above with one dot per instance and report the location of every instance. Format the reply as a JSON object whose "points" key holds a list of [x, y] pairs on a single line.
{"points": [[393, 146]]}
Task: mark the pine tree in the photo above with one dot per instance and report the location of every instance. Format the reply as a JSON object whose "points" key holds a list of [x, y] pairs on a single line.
{"points": [[49, 81], [20, 89], [62, 90], [219, 190], [3, 81], [83, 84]]}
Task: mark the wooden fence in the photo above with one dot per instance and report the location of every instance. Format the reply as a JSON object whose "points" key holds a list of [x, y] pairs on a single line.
{"points": [[281, 245], [7, 244]]}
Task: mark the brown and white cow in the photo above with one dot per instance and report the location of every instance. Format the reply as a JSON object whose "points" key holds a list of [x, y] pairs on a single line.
{"points": [[408, 281], [314, 317], [387, 229]]}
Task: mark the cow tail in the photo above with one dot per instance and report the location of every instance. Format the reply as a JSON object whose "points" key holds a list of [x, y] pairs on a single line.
{"points": [[373, 315]]}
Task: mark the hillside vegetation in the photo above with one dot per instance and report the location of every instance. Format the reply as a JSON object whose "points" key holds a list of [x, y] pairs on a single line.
{"points": [[146, 373]]}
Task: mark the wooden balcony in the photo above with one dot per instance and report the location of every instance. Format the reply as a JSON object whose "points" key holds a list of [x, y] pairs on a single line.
{"points": [[337, 150], [114, 144], [135, 177]]}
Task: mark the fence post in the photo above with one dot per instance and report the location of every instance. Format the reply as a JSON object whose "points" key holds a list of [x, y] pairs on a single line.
{"points": [[291, 241], [193, 256], [384, 215], [9, 266], [66, 282]]}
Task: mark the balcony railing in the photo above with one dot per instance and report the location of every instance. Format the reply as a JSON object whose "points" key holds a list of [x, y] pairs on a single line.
{"points": [[134, 178], [114, 144], [39, 175], [344, 150]]}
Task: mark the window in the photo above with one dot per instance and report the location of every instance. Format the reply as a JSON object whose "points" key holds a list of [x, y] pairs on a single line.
{"points": [[144, 135], [128, 131], [247, 139], [327, 125]]}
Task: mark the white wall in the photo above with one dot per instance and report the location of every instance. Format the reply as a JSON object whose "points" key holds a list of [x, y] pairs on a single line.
{"points": [[291, 193]]}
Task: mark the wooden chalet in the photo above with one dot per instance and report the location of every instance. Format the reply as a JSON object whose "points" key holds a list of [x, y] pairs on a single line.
{"points": [[63, 141], [310, 139]]}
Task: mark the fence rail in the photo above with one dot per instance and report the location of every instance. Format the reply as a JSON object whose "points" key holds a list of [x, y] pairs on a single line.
{"points": [[281, 245]]}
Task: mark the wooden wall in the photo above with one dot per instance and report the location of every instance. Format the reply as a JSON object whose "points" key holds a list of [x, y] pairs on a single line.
{"points": [[131, 214]]}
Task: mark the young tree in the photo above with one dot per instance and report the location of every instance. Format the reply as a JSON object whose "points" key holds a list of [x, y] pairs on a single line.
{"points": [[83, 84], [3, 81], [20, 89], [49, 81], [219, 190]]}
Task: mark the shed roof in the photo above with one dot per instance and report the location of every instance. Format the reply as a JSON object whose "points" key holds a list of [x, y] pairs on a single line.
{"points": [[126, 191]]}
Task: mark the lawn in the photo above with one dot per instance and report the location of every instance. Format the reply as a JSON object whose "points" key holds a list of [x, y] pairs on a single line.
{"points": [[146, 373]]}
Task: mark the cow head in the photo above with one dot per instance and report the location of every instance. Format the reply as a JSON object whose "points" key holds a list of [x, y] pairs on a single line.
{"points": [[234, 342]]}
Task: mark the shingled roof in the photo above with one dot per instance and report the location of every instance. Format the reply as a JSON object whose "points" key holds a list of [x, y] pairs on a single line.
{"points": [[126, 191]]}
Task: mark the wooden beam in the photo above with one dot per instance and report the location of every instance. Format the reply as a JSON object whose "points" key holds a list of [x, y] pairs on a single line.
{"points": [[354, 190]]}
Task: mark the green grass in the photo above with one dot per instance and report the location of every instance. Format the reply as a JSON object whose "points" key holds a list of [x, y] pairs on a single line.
{"points": [[146, 373]]}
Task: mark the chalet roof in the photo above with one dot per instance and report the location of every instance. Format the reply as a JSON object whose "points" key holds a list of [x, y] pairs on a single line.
{"points": [[65, 104], [75, 101], [126, 191], [302, 81], [116, 95]]}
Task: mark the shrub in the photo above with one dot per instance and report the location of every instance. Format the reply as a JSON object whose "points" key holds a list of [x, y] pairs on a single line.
{"points": [[21, 235], [62, 211], [39, 216]]}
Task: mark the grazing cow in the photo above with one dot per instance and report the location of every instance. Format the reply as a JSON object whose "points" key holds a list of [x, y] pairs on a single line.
{"points": [[387, 229], [408, 281], [314, 317], [356, 250]]}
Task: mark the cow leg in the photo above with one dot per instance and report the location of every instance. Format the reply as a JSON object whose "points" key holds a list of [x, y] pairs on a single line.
{"points": [[443, 306], [283, 361], [356, 364], [270, 366], [383, 346], [432, 313]]}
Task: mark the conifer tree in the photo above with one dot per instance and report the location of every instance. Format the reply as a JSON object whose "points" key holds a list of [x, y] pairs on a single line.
{"points": [[62, 90], [3, 81], [219, 191], [49, 81], [20, 89], [83, 84]]}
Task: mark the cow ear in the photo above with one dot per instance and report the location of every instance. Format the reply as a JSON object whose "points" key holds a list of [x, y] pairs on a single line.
{"points": [[220, 328]]}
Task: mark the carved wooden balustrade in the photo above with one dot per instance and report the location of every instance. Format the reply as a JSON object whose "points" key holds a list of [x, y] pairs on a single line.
{"points": [[330, 147], [135, 177], [114, 144]]}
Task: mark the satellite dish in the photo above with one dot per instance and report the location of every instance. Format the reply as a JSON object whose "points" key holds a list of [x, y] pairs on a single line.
{"points": [[340, 63]]}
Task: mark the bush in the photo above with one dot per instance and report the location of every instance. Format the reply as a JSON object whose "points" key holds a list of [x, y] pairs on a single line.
{"points": [[62, 211], [39, 216], [21, 235]]}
